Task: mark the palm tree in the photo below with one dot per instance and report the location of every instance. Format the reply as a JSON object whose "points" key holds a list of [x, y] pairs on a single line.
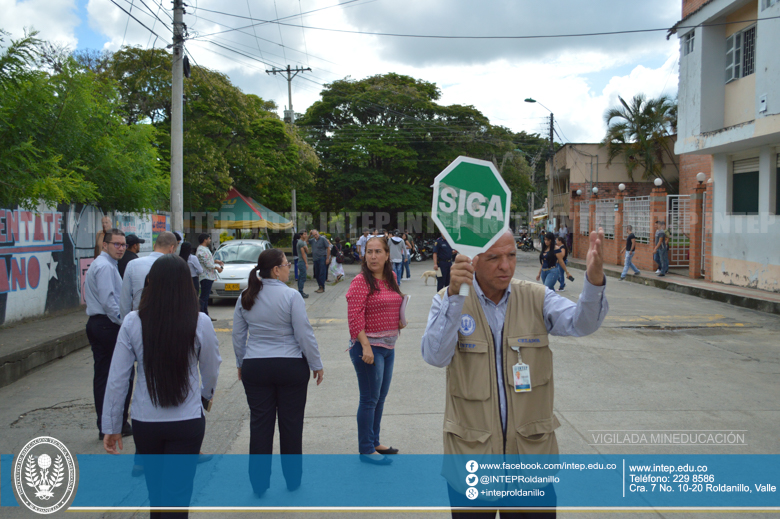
{"points": [[640, 132]]}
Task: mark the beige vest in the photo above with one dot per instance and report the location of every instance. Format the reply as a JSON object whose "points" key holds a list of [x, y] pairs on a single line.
{"points": [[472, 418]]}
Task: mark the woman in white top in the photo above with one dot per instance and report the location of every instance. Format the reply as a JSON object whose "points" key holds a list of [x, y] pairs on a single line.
{"points": [[171, 342], [196, 269], [275, 351]]}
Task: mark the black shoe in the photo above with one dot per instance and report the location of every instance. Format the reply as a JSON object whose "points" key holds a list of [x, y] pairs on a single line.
{"points": [[213, 319], [305, 296], [389, 450], [127, 430], [661, 275], [101, 436], [375, 459]]}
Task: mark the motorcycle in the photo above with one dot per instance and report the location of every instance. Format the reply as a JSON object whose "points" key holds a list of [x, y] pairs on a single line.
{"points": [[351, 256], [526, 245], [414, 252]]}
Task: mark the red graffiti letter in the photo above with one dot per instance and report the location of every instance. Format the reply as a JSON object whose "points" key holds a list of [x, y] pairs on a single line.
{"points": [[2, 225], [26, 217], [38, 235], [3, 277], [12, 221], [48, 218], [33, 272]]}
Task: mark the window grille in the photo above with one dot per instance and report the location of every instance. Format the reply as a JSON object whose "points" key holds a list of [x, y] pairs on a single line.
{"points": [[688, 42], [636, 213], [605, 217], [741, 54], [584, 217]]}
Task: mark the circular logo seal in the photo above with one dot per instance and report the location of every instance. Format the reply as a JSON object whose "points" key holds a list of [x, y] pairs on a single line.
{"points": [[467, 324], [45, 475]]}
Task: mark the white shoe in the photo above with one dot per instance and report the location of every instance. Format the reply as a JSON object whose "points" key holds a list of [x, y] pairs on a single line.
{"points": [[658, 271]]}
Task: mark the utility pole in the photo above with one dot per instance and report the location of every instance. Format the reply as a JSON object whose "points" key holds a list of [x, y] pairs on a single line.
{"points": [[289, 114], [177, 125], [551, 203], [289, 117]]}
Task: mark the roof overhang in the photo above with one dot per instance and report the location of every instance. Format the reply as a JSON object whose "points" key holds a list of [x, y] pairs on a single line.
{"points": [[710, 11]]}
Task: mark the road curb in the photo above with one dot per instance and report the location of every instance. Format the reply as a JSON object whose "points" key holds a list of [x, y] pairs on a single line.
{"points": [[751, 303], [16, 365]]}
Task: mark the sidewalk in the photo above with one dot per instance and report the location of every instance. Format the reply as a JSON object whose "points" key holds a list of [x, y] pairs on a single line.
{"points": [[739, 296], [30, 344]]}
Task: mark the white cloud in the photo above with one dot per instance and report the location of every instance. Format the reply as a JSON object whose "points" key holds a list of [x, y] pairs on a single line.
{"points": [[55, 20]]}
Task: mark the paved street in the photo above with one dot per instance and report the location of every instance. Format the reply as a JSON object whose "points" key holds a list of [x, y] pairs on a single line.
{"points": [[662, 361]]}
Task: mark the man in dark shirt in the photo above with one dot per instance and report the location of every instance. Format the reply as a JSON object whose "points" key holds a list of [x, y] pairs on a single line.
{"points": [[442, 260], [630, 249], [133, 246]]}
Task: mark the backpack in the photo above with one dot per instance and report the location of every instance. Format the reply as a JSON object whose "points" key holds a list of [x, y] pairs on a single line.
{"points": [[339, 254]]}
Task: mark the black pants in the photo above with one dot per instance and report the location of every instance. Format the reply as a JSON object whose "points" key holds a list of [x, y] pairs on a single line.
{"points": [[196, 283], [205, 292], [102, 334], [458, 499], [444, 280], [275, 387], [169, 479]]}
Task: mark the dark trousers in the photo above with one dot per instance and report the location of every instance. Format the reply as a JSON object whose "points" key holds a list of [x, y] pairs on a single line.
{"points": [[320, 271], [205, 291], [196, 283], [102, 334], [169, 479], [490, 508], [275, 388], [444, 280], [295, 264]]}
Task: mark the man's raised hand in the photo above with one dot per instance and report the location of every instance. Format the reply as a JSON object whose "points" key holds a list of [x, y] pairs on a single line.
{"points": [[595, 258]]}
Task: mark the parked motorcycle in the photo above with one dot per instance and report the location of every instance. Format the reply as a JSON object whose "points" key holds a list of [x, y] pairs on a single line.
{"points": [[414, 252], [526, 245], [351, 256]]}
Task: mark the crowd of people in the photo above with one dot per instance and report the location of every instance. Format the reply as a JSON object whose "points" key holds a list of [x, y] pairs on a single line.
{"points": [[151, 318]]}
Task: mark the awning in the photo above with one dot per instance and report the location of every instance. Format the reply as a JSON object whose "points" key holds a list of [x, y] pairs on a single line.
{"points": [[540, 217], [242, 212]]}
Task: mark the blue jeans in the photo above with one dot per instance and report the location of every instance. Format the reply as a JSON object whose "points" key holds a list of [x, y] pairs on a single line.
{"points": [[374, 383], [549, 277], [205, 291], [406, 265], [295, 263], [398, 268], [320, 271], [661, 257], [301, 274], [629, 265], [562, 273]]}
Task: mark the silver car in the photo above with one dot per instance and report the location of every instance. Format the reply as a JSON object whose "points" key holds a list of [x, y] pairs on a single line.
{"points": [[240, 257]]}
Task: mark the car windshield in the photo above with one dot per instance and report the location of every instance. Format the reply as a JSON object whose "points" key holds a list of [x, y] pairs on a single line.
{"points": [[239, 254]]}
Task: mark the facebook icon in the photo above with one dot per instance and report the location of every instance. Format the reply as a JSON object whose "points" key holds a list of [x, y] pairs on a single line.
{"points": [[472, 466]]}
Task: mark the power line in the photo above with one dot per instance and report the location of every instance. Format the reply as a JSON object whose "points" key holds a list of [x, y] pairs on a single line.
{"points": [[136, 19], [284, 53], [303, 32]]}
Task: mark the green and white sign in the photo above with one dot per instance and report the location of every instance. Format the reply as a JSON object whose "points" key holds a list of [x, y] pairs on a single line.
{"points": [[471, 205]]}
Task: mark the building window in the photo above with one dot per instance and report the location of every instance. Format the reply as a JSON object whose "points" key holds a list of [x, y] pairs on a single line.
{"points": [[744, 195], [767, 3], [741, 54], [688, 43]]}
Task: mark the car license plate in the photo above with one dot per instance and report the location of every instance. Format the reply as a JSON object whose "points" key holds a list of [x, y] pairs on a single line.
{"points": [[232, 286]]}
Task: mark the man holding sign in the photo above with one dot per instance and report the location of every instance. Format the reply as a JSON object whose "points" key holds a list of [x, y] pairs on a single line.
{"points": [[494, 343]]}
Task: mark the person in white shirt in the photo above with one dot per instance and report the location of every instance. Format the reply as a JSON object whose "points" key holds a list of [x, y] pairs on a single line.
{"points": [[136, 271], [196, 269], [361, 244]]}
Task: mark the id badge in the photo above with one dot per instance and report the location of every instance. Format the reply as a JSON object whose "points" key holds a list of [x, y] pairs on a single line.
{"points": [[522, 377]]}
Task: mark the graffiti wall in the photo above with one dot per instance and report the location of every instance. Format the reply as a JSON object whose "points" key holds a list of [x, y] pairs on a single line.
{"points": [[45, 254]]}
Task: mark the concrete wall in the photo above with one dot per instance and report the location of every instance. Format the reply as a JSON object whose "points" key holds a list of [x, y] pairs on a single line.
{"points": [[45, 254], [746, 248]]}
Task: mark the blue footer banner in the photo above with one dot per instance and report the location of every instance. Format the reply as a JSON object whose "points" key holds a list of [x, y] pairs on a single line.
{"points": [[707, 482]]}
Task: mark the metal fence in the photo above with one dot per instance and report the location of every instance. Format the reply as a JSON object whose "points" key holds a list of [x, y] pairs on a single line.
{"points": [[678, 223], [605, 216], [584, 217], [636, 213]]}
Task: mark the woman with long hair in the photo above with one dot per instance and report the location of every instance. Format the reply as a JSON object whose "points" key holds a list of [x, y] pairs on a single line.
{"points": [[550, 258], [561, 245], [275, 351], [171, 341], [196, 269], [373, 311]]}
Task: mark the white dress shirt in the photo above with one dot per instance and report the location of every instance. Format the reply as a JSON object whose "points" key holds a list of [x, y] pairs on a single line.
{"points": [[276, 326], [196, 268], [102, 287], [130, 349], [133, 282], [561, 317]]}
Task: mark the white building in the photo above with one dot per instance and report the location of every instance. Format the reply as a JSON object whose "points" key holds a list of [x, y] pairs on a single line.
{"points": [[729, 108]]}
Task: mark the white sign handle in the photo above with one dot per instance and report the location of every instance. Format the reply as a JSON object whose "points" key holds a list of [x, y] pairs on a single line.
{"points": [[464, 288]]}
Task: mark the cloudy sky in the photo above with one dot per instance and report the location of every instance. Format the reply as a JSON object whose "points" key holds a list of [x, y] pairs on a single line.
{"points": [[577, 78]]}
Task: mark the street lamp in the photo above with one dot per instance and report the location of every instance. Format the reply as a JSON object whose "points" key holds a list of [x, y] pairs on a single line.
{"points": [[658, 182], [622, 187], [552, 154], [595, 190], [579, 192], [701, 177]]}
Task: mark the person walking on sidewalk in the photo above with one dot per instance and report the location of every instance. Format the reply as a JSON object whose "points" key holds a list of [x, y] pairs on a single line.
{"points": [[320, 255], [303, 251], [102, 287], [275, 350], [361, 244], [561, 274], [661, 249], [483, 339], [177, 353], [630, 248], [210, 269], [397, 248], [551, 259], [336, 259], [373, 312], [407, 254], [135, 276]]}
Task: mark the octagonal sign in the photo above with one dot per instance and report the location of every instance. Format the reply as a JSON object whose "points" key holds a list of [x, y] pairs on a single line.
{"points": [[471, 205]]}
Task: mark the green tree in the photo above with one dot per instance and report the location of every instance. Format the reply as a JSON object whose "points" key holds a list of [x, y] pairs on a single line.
{"points": [[640, 131], [63, 139]]}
